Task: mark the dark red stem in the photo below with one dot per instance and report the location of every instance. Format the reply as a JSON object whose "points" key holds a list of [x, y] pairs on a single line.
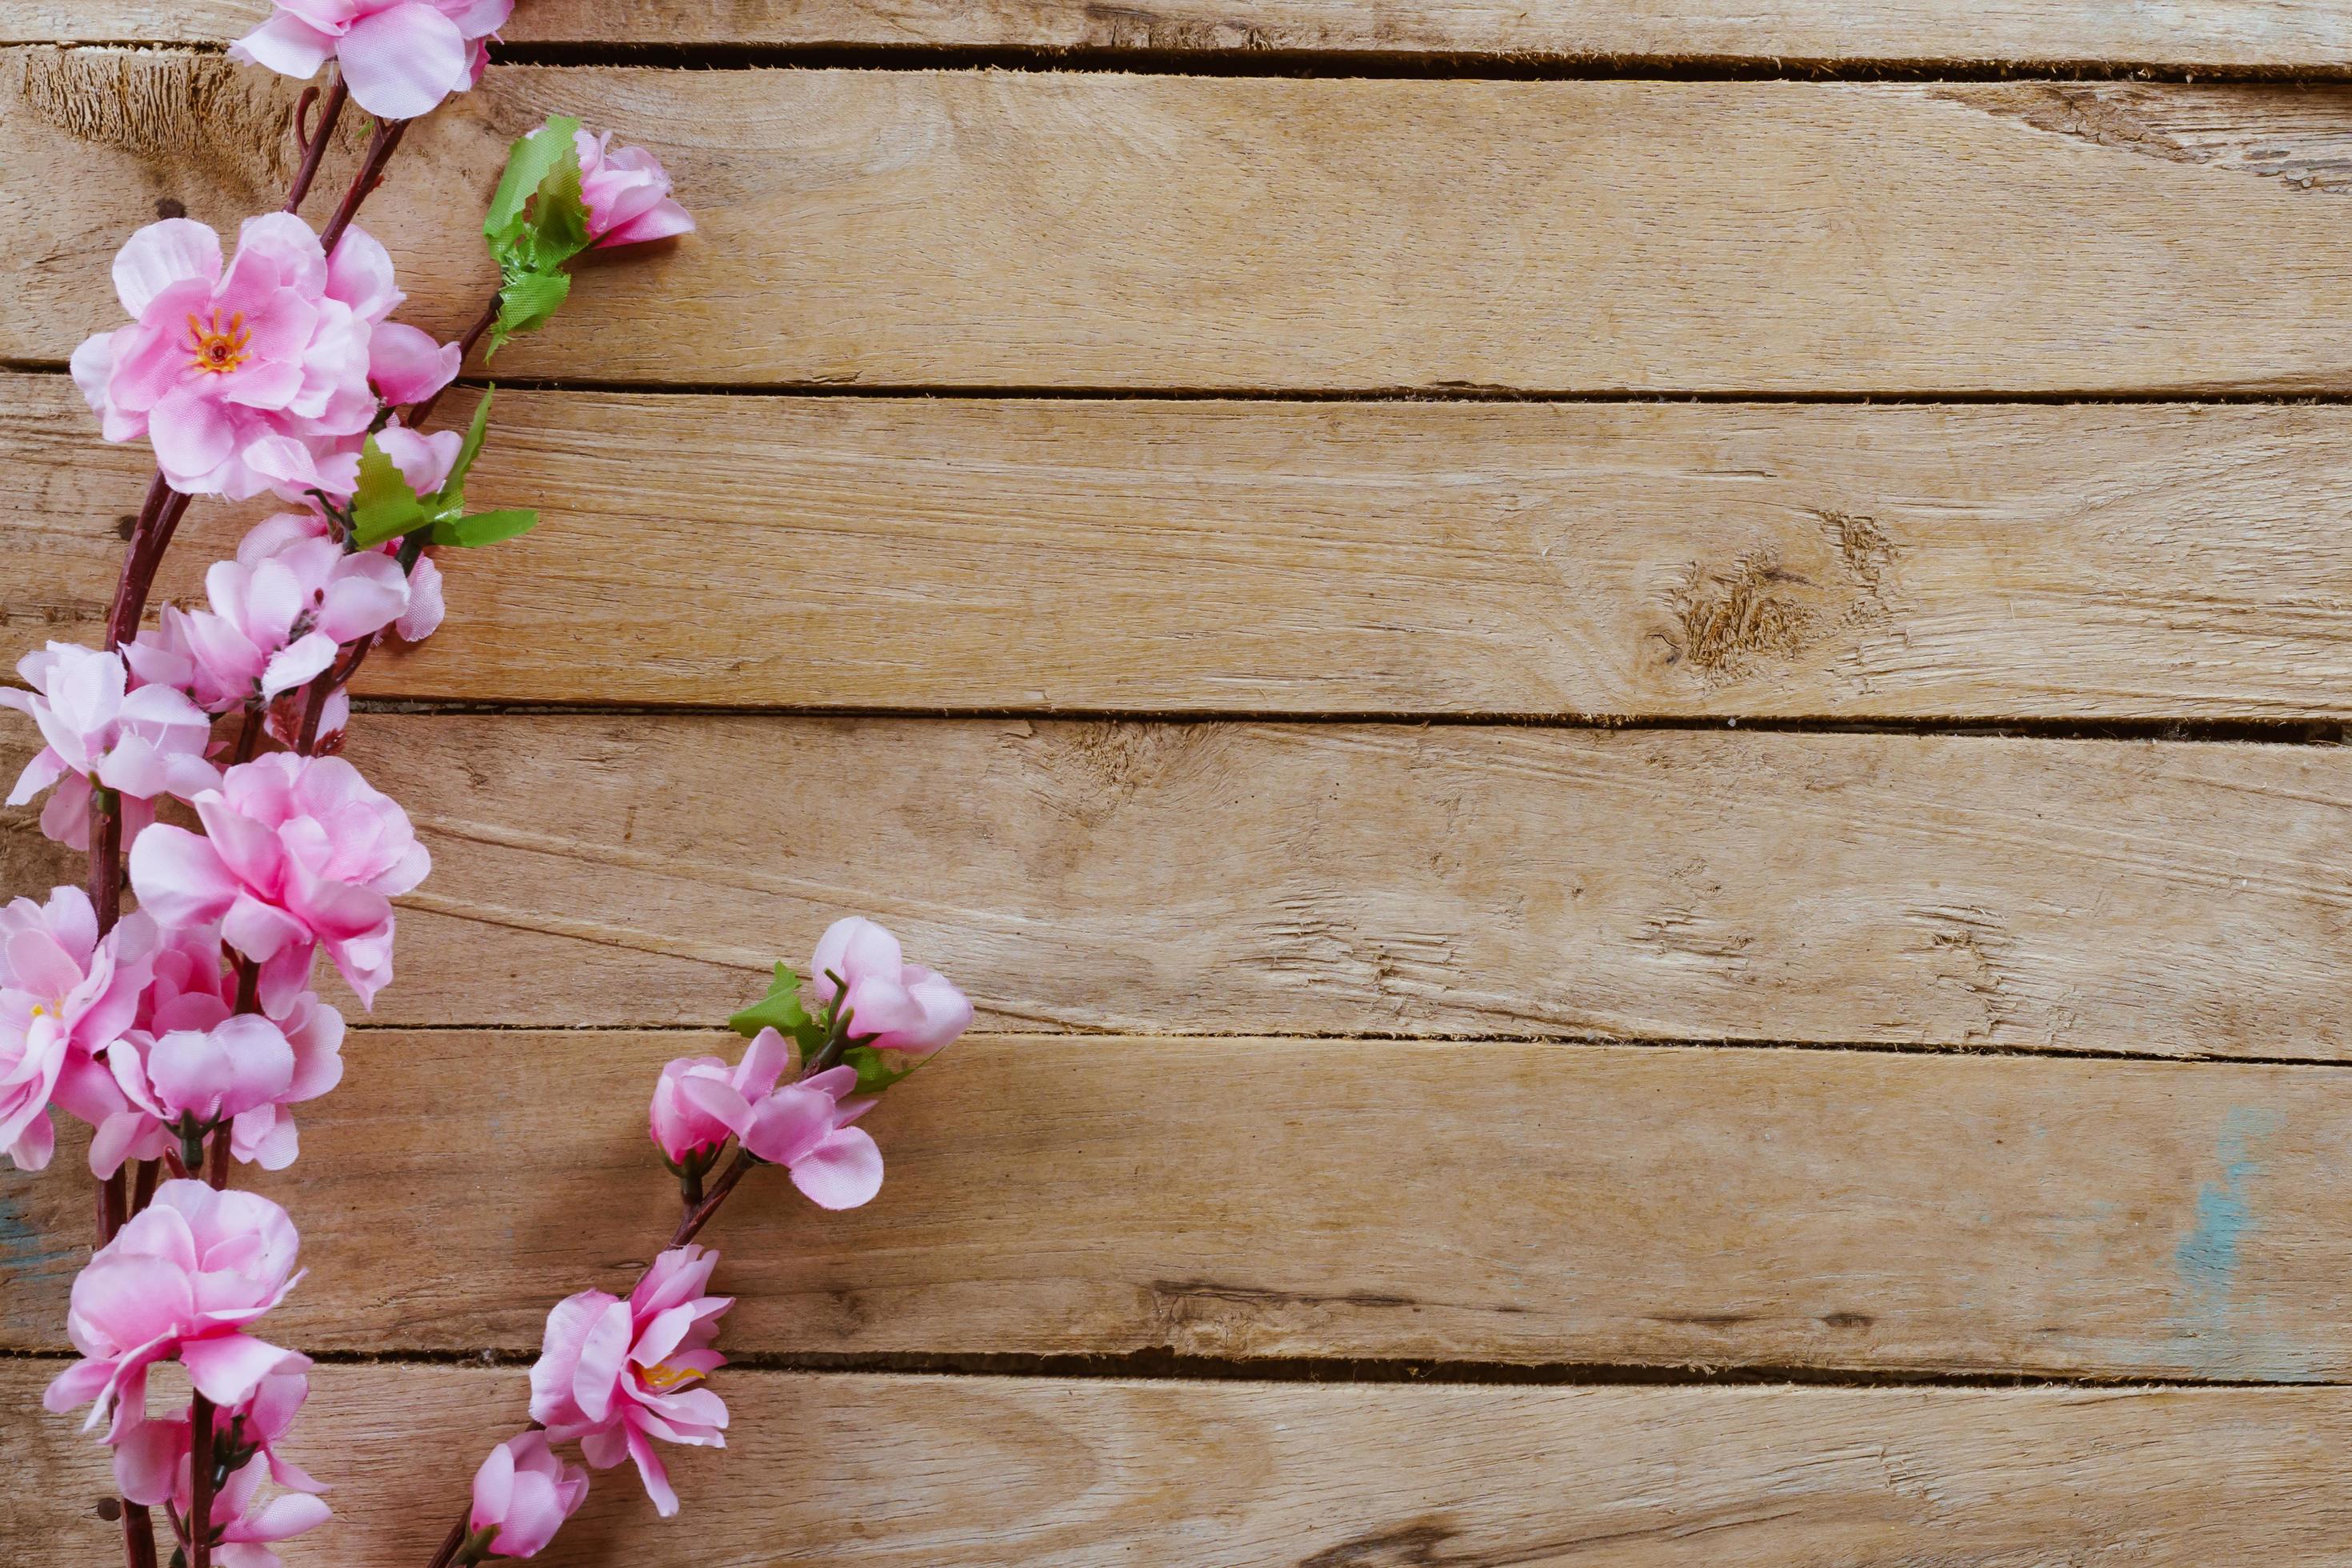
{"points": [[315, 142], [381, 147], [200, 1482]]}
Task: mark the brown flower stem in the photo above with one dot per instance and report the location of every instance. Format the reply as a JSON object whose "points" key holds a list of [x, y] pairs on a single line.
{"points": [[381, 147], [200, 1482], [457, 1539], [142, 1185], [137, 1536], [248, 736], [315, 142], [106, 857], [700, 1214], [416, 415]]}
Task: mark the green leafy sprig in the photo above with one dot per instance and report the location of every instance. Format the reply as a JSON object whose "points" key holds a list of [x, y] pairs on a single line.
{"points": [[386, 507], [537, 221]]}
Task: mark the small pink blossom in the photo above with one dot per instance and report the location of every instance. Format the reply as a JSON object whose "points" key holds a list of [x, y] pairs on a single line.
{"points": [[522, 1495], [892, 1006], [182, 1281], [151, 1463], [681, 1129], [802, 1126], [66, 997], [246, 1527], [297, 853], [140, 743], [279, 614], [617, 1375], [242, 380], [400, 57], [245, 1071], [626, 192]]}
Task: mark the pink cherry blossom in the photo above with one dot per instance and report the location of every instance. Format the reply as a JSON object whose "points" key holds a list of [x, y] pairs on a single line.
{"points": [[682, 1129], [244, 1070], [242, 379], [66, 997], [244, 1526], [151, 1463], [402, 58], [522, 1495], [140, 743], [279, 614], [802, 1126], [626, 192], [297, 853], [892, 1006], [182, 1281], [617, 1375]]}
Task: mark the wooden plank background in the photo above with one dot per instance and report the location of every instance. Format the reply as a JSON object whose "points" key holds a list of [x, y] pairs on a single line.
{"points": [[1513, 823]]}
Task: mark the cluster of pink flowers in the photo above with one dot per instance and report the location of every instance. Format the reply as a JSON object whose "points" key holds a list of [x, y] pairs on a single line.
{"points": [[186, 1032]]}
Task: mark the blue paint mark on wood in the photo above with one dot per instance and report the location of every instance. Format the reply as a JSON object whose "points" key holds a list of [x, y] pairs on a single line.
{"points": [[2224, 1323], [26, 1251]]}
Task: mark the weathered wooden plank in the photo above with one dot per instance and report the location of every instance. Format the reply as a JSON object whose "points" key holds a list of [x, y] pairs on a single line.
{"points": [[1490, 1202], [1036, 229], [2120, 562], [1327, 878], [2204, 33], [917, 1472]]}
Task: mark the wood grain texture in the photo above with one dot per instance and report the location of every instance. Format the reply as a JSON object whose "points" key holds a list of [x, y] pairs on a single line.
{"points": [[920, 1472], [1036, 229], [2209, 33], [1863, 1212], [2140, 562], [1231, 878]]}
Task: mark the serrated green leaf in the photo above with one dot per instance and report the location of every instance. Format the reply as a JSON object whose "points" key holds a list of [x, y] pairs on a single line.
{"points": [[526, 303], [483, 528], [450, 499], [559, 217], [877, 1070], [383, 507], [779, 1009], [527, 164]]}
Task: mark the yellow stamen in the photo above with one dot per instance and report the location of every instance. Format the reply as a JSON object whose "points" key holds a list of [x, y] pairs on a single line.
{"points": [[217, 348], [665, 1377]]}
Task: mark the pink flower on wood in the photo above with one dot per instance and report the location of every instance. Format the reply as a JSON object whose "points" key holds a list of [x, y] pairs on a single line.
{"points": [[151, 1462], [298, 854], [279, 614], [140, 743], [802, 1126], [522, 1495], [244, 1070], [182, 1281], [66, 997], [626, 192], [618, 1374], [246, 1526], [402, 58], [893, 1006], [241, 380]]}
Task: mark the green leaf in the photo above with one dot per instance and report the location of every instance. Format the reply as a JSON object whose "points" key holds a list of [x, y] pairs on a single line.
{"points": [[384, 506], [484, 528], [559, 215], [450, 499], [528, 165], [877, 1070], [782, 1011], [526, 303]]}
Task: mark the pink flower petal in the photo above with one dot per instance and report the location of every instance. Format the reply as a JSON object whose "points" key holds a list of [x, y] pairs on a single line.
{"points": [[287, 44], [843, 1171], [402, 61], [178, 250], [180, 877]]}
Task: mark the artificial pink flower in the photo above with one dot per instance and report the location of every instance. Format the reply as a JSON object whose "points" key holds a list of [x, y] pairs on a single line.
{"points": [[181, 1280], [681, 1129], [626, 192], [244, 1527], [241, 380], [400, 57], [151, 1463], [297, 853], [617, 1375], [892, 1006], [522, 1495], [279, 614], [140, 744], [803, 1126], [244, 1070], [66, 997]]}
